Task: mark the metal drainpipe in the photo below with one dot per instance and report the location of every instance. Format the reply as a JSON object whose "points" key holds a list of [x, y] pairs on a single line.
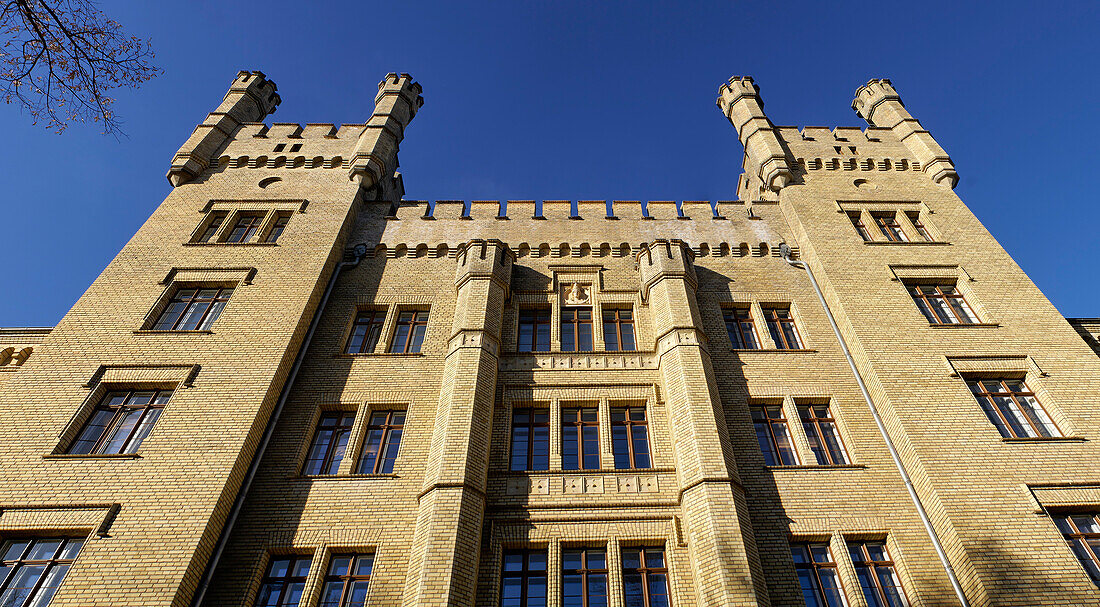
{"points": [[359, 252], [785, 253]]}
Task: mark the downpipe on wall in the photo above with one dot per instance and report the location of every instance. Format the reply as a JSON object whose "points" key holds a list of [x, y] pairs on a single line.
{"points": [[785, 253], [358, 252]]}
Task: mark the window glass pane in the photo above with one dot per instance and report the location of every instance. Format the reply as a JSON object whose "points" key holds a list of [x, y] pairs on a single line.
{"points": [[417, 338], [143, 429], [121, 433]]}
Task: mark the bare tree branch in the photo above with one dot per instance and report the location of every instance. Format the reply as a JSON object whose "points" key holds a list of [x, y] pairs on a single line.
{"points": [[59, 58]]}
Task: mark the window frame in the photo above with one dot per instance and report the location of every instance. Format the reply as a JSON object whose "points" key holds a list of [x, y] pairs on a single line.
{"points": [[772, 319], [530, 426], [918, 225], [48, 565], [211, 226], [1023, 406], [278, 227], [645, 571], [413, 323], [874, 567], [250, 231], [769, 423], [348, 580], [887, 222], [811, 426], [811, 564], [585, 571], [1079, 541], [618, 322], [629, 426], [856, 217], [575, 324], [730, 316], [537, 323], [286, 581], [378, 317], [205, 320], [932, 313], [377, 466], [341, 430], [119, 414], [578, 426], [525, 574]]}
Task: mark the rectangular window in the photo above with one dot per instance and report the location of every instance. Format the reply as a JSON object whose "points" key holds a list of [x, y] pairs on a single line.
{"points": [[121, 422], [347, 580], [245, 228], [366, 331], [740, 328], [618, 330], [857, 221], [277, 230], [817, 575], [630, 437], [645, 577], [1012, 408], [576, 329], [329, 443], [212, 226], [530, 439], [782, 329], [285, 582], [914, 218], [888, 225], [409, 333], [382, 443], [942, 304], [534, 330], [580, 437], [820, 427], [773, 435], [1082, 531], [584, 577], [193, 309], [32, 569], [523, 579], [876, 574]]}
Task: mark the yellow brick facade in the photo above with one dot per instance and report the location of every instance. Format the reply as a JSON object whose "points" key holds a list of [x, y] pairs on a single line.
{"points": [[217, 490]]}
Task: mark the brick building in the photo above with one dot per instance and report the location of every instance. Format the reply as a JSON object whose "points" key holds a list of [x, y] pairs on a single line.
{"points": [[294, 387]]}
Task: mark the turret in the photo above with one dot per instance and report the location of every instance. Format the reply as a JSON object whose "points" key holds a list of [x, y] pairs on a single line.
{"points": [[880, 105], [251, 98], [766, 158], [375, 159]]}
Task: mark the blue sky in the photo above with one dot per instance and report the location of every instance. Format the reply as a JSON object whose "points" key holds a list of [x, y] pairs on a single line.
{"points": [[583, 100]]}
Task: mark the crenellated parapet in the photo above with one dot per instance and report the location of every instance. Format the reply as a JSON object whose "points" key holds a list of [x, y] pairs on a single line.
{"points": [[251, 98], [880, 105], [559, 229]]}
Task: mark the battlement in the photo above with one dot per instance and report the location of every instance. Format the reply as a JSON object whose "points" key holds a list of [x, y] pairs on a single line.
{"points": [[590, 210], [893, 139]]}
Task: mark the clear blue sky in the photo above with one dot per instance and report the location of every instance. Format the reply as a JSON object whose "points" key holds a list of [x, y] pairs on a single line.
{"points": [[584, 100]]}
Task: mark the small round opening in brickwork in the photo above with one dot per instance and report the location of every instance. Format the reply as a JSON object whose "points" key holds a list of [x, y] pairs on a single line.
{"points": [[863, 184], [270, 181]]}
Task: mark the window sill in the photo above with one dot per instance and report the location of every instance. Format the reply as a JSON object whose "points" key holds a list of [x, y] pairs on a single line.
{"points": [[369, 354], [819, 467], [959, 325], [919, 243], [774, 350], [339, 477], [92, 456], [173, 332], [230, 244], [1045, 439], [580, 472]]}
